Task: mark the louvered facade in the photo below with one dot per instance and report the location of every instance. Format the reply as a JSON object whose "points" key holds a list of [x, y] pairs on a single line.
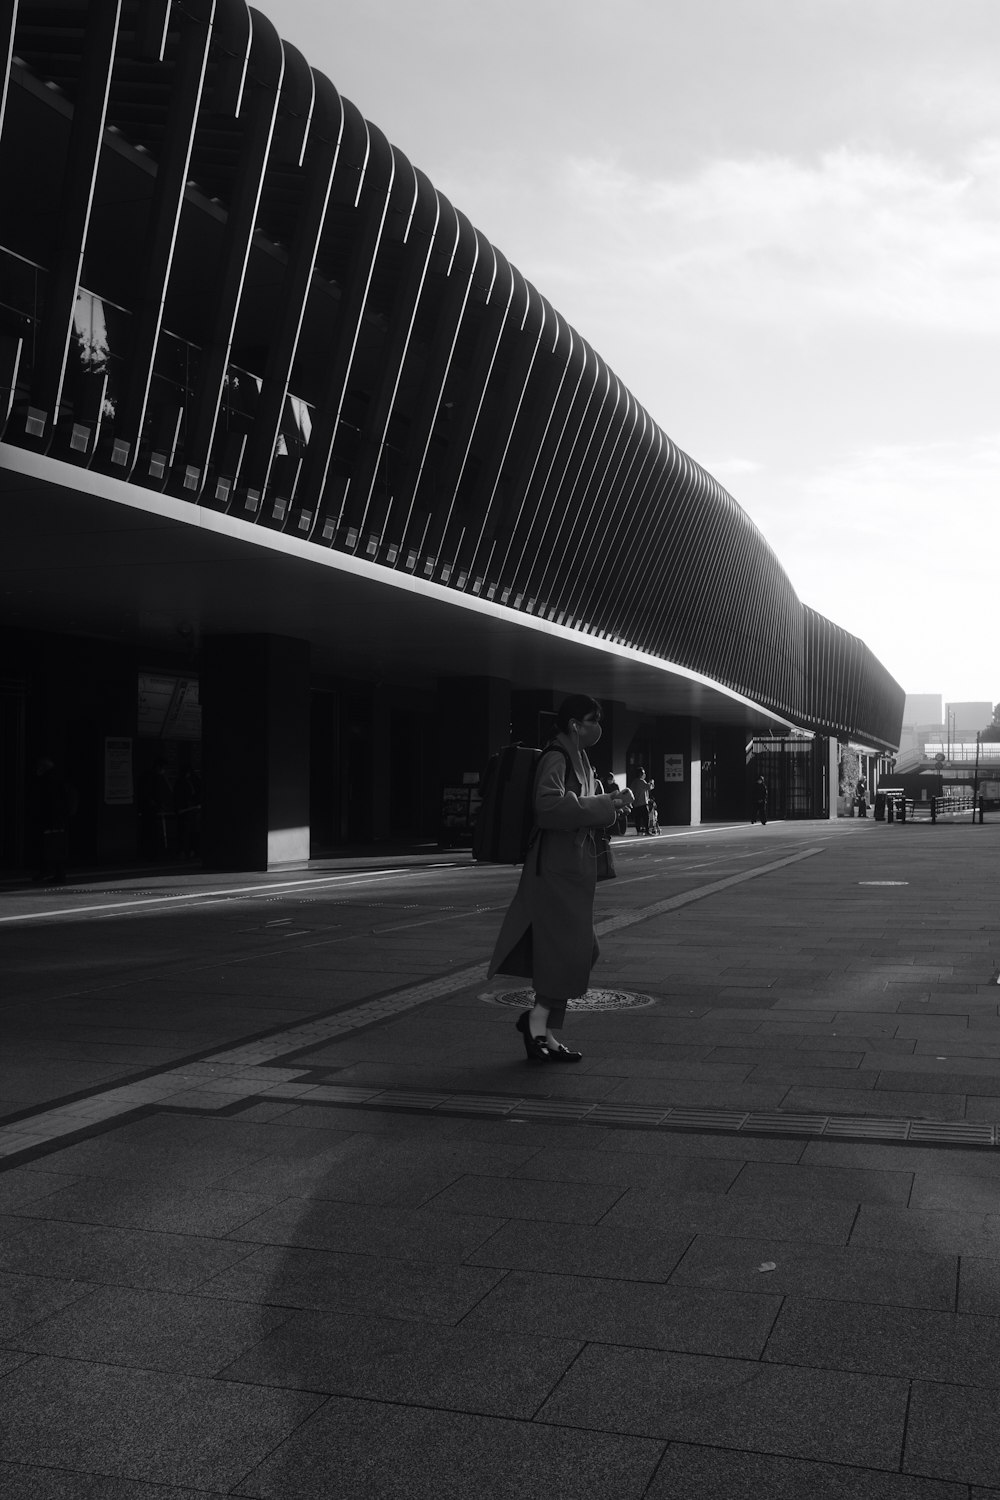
{"points": [[221, 286]]}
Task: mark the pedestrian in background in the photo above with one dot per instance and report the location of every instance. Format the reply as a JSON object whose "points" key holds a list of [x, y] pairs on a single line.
{"points": [[55, 802], [641, 789], [548, 932], [611, 787], [760, 802]]}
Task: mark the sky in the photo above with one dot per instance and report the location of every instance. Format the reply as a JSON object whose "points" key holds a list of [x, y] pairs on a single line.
{"points": [[778, 221]]}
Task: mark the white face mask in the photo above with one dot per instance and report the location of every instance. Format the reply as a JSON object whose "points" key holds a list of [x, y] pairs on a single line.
{"points": [[586, 734]]}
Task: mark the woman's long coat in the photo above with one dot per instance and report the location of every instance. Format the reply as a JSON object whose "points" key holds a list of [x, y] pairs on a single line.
{"points": [[548, 933]]}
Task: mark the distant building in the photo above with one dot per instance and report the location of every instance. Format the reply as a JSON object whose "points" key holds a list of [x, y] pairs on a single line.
{"points": [[923, 719], [923, 708], [966, 718]]}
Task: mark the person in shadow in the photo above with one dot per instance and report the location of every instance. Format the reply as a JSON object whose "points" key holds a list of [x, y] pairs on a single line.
{"points": [[55, 802]]}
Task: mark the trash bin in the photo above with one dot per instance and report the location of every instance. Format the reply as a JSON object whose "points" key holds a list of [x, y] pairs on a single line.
{"points": [[880, 806]]}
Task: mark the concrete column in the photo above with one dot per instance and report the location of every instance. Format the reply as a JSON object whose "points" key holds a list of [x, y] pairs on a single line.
{"points": [[669, 750], [254, 692], [695, 772], [833, 774]]}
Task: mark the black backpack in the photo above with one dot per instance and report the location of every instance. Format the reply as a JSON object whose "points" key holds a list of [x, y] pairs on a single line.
{"points": [[506, 817]]}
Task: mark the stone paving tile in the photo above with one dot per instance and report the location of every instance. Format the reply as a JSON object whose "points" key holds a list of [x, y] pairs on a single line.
{"points": [[624, 1312], [580, 1202], [18, 1186], [119, 1257], [883, 1004], [955, 1024], [25, 1300], [943, 1190], [10, 1360], [102, 1156], [139, 1424], [632, 1254], [951, 1233], [979, 1285], [878, 1105], [938, 1002], [849, 1024], [28, 1482], [940, 1083], [151, 1330], [775, 1057], [951, 1434], [766, 1014], [982, 1111], [385, 1452], [725, 1075], [924, 1066], [154, 1205], [851, 1275], [769, 1180], [690, 1473], [385, 1359], [824, 1223], [887, 1156], [681, 1174], [372, 1229], [913, 1343], [335, 1282], [266, 1113], [369, 1169], [807, 1077], [608, 1050], [815, 1414]]}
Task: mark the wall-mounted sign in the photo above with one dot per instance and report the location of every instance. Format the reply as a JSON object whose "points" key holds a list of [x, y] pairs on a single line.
{"points": [[118, 787], [673, 768]]}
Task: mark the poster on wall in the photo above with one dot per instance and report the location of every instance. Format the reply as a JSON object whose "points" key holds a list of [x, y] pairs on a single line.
{"points": [[673, 768], [118, 787]]}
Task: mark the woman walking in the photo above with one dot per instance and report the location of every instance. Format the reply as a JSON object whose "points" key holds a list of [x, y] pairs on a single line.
{"points": [[548, 933]]}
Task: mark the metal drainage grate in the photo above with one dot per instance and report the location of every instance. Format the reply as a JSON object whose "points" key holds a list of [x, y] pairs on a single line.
{"points": [[592, 1000]]}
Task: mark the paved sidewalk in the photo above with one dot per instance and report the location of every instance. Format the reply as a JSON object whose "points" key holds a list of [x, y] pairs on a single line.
{"points": [[285, 1213]]}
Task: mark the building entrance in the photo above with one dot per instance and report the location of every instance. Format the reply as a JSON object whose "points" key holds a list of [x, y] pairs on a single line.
{"points": [[797, 775]]}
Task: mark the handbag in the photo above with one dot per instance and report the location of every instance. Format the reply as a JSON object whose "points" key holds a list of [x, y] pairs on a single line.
{"points": [[604, 858]]}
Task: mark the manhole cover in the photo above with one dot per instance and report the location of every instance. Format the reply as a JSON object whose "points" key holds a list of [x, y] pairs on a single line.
{"points": [[592, 1000]]}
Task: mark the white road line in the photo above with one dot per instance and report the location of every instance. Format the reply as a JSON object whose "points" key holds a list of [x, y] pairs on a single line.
{"points": [[208, 897]]}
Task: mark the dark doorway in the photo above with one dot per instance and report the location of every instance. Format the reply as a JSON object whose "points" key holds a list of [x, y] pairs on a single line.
{"points": [[796, 774]]}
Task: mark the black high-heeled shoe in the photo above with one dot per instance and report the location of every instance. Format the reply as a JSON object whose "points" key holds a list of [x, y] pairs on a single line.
{"points": [[536, 1047]]}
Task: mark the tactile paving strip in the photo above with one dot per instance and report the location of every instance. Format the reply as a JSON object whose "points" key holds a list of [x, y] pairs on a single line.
{"points": [[646, 1116]]}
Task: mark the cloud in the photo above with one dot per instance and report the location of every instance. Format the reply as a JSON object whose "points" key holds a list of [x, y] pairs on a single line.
{"points": [[899, 544], [852, 235], [728, 469]]}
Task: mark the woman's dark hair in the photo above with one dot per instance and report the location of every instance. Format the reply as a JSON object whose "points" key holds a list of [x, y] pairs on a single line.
{"points": [[577, 707]]}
